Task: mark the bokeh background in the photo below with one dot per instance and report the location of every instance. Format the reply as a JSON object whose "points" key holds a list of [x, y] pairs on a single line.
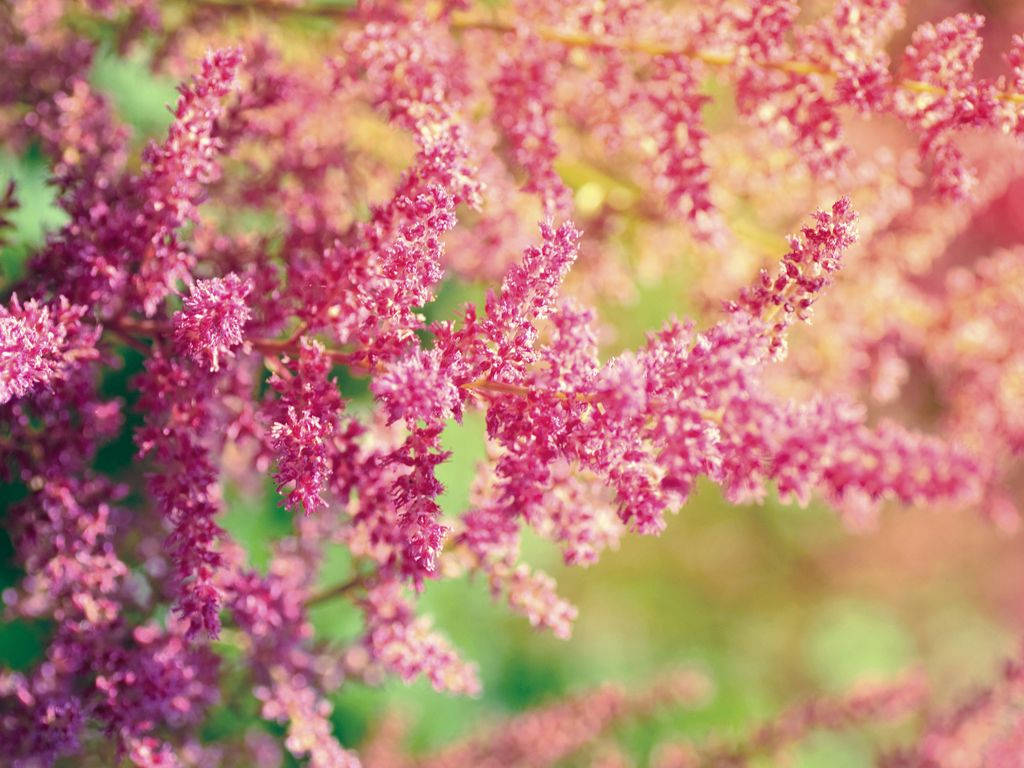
{"points": [[775, 603]]}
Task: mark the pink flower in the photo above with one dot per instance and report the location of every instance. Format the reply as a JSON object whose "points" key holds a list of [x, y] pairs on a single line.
{"points": [[523, 106], [944, 55], [416, 389], [39, 343], [408, 646], [178, 171], [211, 322], [682, 174], [805, 271], [306, 419]]}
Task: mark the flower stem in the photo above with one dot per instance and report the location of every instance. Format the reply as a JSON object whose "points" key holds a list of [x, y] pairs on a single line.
{"points": [[337, 590]]}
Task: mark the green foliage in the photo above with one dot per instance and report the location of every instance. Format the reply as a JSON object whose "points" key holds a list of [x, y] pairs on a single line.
{"points": [[35, 215], [142, 99]]}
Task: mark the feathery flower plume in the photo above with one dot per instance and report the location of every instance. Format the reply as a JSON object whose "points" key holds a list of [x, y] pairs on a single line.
{"points": [[40, 342]]}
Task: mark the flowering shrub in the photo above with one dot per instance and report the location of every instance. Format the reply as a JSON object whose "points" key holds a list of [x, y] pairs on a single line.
{"points": [[298, 226]]}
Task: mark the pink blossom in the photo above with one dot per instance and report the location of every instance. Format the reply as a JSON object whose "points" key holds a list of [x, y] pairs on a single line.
{"points": [[944, 55], [178, 171], [548, 734], [357, 182], [177, 433], [523, 106], [211, 322], [865, 703], [40, 342], [309, 727], [681, 172], [808, 267], [415, 388], [306, 420], [409, 647]]}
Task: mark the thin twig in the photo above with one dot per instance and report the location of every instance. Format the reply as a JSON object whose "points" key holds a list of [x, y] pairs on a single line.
{"points": [[338, 590], [128, 339], [279, 345], [270, 8]]}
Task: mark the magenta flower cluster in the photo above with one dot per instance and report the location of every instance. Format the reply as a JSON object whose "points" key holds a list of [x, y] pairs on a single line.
{"points": [[40, 342], [244, 332]]}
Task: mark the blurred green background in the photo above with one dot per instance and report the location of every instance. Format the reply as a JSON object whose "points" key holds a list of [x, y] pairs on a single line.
{"points": [[775, 603]]}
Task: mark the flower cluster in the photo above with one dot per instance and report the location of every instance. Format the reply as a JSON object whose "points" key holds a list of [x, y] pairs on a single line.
{"points": [[38, 343], [299, 228], [211, 322], [804, 271], [550, 734], [983, 729]]}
